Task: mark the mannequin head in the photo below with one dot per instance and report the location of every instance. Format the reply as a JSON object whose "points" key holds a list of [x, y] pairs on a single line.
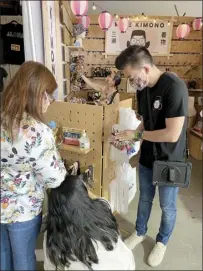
{"points": [[79, 33], [113, 80]]}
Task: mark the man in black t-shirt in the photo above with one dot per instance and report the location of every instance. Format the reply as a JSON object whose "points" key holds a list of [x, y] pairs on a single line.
{"points": [[169, 104]]}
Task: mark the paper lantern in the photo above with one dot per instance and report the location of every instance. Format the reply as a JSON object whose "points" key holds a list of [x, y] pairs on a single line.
{"points": [[197, 24], [79, 8], [105, 20], [85, 21], [123, 24], [182, 31]]}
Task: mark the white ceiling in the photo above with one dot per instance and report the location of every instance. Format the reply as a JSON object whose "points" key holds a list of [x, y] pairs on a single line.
{"points": [[159, 8]]}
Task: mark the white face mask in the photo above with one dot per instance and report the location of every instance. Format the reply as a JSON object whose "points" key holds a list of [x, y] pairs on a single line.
{"points": [[45, 103], [140, 82]]}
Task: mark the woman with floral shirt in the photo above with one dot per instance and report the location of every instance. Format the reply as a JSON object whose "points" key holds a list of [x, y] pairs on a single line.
{"points": [[30, 163]]}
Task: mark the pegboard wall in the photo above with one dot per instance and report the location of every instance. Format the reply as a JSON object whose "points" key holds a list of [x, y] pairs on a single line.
{"points": [[97, 121], [185, 53], [89, 118]]}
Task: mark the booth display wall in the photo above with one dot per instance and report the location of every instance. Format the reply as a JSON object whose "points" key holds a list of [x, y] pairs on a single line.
{"points": [[98, 122], [185, 54]]}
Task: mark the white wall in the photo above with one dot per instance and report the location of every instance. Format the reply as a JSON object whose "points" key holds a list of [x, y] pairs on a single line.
{"points": [[33, 31], [159, 8]]}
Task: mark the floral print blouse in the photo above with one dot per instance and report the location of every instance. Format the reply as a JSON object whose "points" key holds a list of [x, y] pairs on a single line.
{"points": [[29, 165]]}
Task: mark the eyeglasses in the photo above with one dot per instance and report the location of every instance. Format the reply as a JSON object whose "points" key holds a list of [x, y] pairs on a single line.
{"points": [[50, 97]]}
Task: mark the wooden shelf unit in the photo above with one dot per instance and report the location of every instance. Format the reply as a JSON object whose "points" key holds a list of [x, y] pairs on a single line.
{"points": [[75, 149]]}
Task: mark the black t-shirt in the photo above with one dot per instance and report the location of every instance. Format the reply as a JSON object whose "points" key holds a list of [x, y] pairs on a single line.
{"points": [[13, 45], [169, 99]]}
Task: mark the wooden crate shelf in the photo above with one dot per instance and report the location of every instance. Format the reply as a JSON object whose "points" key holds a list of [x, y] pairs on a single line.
{"points": [[76, 48], [74, 149]]}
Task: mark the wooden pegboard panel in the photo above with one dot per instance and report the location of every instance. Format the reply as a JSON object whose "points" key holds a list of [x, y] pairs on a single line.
{"points": [[111, 114], [95, 31], [94, 44], [96, 58], [66, 36], [65, 18], [194, 35], [179, 20], [186, 46], [85, 117]]}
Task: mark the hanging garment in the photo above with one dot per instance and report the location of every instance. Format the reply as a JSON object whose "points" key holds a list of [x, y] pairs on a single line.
{"points": [[13, 44], [3, 74]]}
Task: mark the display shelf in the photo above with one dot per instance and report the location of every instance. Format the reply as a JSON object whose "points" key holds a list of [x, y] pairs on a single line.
{"points": [[76, 48], [74, 149]]}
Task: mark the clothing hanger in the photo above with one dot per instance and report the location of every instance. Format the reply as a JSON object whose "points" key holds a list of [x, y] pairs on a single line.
{"points": [[14, 21]]}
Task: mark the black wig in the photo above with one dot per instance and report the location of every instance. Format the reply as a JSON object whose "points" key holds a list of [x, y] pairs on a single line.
{"points": [[117, 80], [75, 222]]}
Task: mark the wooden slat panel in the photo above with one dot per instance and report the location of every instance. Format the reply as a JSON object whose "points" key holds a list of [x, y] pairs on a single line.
{"points": [[194, 35], [97, 58], [68, 9], [176, 46], [95, 31], [180, 70], [94, 18], [94, 45], [186, 46], [67, 39], [66, 20]]}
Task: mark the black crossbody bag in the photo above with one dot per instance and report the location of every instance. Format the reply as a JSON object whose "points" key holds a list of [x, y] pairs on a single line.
{"points": [[168, 173]]}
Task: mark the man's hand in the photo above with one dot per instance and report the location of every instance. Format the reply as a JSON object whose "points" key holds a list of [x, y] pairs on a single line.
{"points": [[127, 135]]}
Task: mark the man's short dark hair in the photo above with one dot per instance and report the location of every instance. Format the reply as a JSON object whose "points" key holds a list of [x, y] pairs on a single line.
{"points": [[133, 55]]}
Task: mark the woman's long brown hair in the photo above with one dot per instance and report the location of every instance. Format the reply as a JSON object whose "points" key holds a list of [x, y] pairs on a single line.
{"points": [[24, 94]]}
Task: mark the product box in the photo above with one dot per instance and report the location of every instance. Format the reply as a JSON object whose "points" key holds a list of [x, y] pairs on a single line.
{"points": [[71, 136], [195, 146]]}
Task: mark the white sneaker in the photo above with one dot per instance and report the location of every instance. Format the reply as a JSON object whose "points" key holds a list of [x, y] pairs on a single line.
{"points": [[134, 240], [157, 254]]}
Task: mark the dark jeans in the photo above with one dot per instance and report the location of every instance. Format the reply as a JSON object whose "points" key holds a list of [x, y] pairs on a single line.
{"points": [[167, 199], [18, 242]]}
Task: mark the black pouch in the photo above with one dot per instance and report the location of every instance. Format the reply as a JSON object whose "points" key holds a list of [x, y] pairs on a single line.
{"points": [[169, 173]]}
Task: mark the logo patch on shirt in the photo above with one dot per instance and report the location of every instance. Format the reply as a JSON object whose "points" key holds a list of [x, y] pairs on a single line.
{"points": [[15, 47], [157, 103]]}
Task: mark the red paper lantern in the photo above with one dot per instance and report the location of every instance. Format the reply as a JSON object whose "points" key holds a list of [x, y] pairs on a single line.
{"points": [[197, 24], [85, 21], [123, 24], [79, 8], [105, 20], [182, 31]]}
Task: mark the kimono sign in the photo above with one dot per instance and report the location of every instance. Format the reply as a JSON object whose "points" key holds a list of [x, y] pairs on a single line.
{"points": [[154, 35]]}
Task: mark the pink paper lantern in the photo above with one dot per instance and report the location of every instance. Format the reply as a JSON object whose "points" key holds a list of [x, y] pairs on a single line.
{"points": [[105, 20], [123, 24], [197, 24], [85, 21], [182, 31], [79, 8]]}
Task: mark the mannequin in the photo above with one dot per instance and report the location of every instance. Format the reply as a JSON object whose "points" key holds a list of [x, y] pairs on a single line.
{"points": [[109, 91], [79, 34]]}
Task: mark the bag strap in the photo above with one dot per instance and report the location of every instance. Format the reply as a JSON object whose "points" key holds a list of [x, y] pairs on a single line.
{"points": [[113, 96], [152, 127], [151, 123]]}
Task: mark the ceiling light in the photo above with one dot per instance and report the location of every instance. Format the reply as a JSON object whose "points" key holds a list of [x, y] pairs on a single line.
{"points": [[93, 7]]}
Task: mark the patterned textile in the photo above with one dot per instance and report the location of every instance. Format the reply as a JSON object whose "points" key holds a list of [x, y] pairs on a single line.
{"points": [[29, 165]]}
